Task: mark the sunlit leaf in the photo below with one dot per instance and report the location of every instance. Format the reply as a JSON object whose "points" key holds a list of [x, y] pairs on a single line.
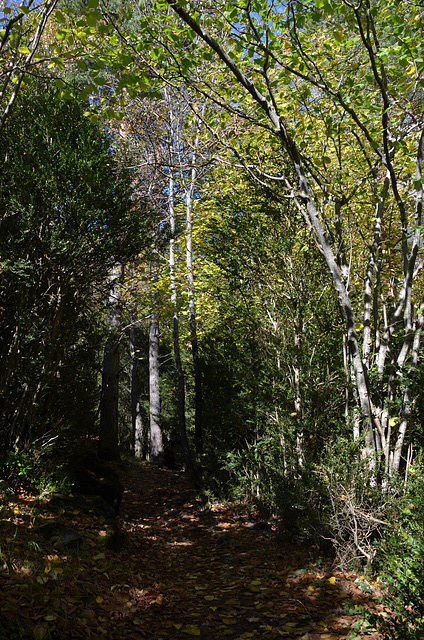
{"points": [[191, 630]]}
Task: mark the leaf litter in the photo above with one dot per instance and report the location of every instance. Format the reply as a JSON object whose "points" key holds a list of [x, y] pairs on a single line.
{"points": [[182, 570]]}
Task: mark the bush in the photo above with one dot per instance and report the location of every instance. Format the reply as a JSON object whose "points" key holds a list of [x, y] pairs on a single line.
{"points": [[33, 469], [401, 555], [355, 509], [279, 486]]}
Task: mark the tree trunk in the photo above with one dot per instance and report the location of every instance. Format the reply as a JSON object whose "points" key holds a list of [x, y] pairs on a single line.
{"points": [[175, 320], [297, 371], [138, 430], [156, 439], [109, 434], [198, 395]]}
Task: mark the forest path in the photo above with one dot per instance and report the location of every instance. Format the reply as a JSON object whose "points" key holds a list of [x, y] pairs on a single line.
{"points": [[182, 571], [203, 573]]}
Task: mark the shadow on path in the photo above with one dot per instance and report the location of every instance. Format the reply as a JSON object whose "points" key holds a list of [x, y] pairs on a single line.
{"points": [[182, 571]]}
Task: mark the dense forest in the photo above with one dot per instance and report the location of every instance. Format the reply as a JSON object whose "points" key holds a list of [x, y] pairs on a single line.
{"points": [[211, 252]]}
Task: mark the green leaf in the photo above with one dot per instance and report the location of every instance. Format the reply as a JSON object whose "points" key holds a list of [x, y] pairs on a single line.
{"points": [[58, 62], [93, 17], [99, 81], [23, 49], [59, 17]]}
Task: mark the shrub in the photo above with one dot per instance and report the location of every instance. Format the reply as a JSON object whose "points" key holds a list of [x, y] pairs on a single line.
{"points": [[401, 556], [355, 509]]}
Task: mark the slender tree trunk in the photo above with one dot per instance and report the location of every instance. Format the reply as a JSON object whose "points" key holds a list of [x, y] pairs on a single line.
{"points": [[138, 430], [157, 453], [175, 320], [298, 404], [198, 394], [156, 439], [109, 433]]}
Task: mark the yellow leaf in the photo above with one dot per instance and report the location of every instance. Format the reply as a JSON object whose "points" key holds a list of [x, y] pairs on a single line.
{"points": [[50, 618], [332, 580], [59, 570], [178, 625], [16, 511], [99, 599], [191, 630], [40, 632], [48, 567]]}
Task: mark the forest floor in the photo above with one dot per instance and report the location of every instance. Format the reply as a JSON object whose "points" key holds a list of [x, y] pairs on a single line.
{"points": [[183, 570]]}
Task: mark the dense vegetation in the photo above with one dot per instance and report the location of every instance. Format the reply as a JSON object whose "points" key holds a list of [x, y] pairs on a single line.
{"points": [[211, 257]]}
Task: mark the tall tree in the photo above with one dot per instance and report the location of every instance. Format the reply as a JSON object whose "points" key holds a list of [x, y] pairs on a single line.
{"points": [[62, 205], [329, 99], [156, 438], [137, 424], [109, 413], [172, 143]]}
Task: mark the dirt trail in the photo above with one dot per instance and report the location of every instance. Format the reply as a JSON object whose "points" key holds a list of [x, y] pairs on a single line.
{"points": [[204, 573], [183, 570]]}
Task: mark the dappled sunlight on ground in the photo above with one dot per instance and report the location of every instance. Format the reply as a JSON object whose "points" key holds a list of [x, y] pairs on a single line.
{"points": [[183, 570]]}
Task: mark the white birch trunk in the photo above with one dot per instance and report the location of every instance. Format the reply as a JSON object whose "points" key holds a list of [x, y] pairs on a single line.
{"points": [[156, 438]]}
